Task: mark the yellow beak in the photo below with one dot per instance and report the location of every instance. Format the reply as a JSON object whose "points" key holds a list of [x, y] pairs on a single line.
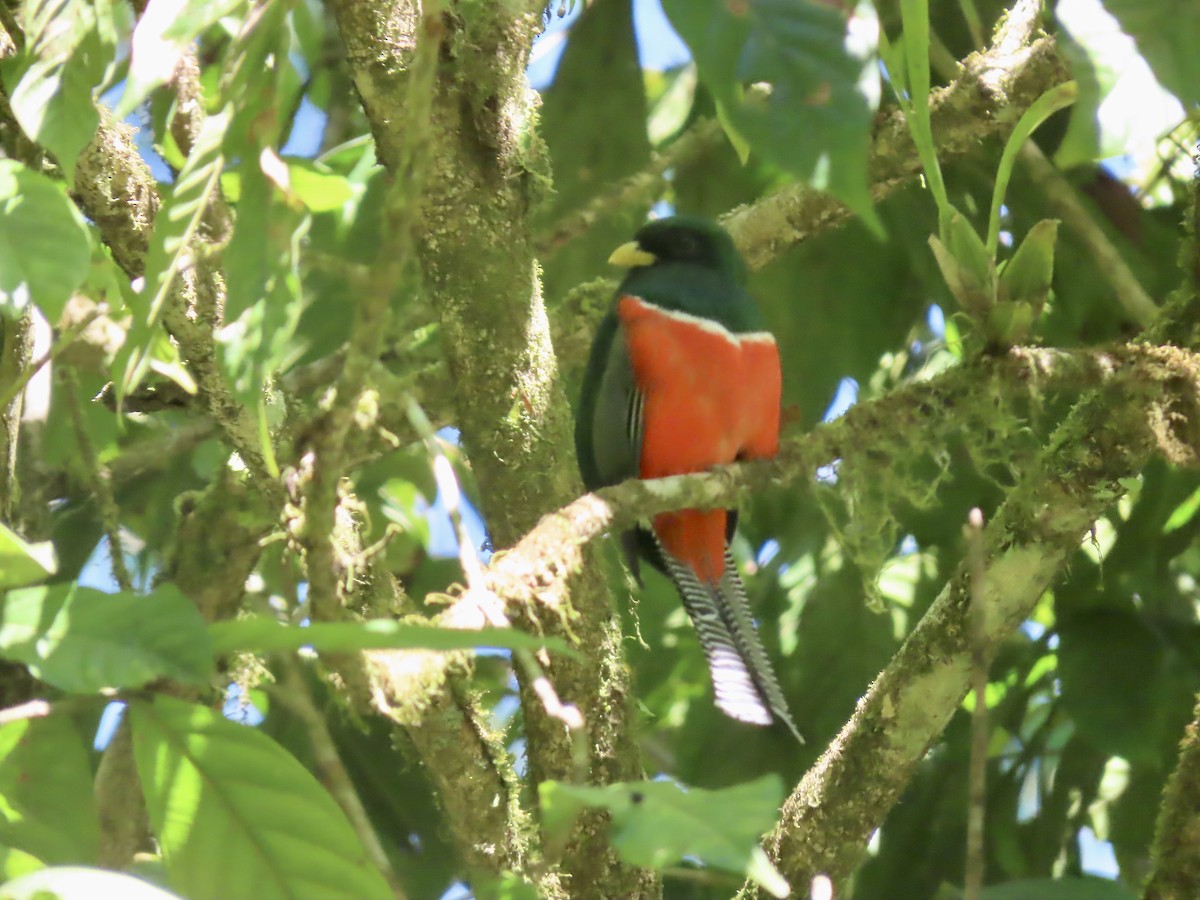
{"points": [[631, 255]]}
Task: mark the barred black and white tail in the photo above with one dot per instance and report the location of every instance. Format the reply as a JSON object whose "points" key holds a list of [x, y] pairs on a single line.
{"points": [[744, 684]]}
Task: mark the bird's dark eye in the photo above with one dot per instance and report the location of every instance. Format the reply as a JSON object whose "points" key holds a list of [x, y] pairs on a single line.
{"points": [[688, 247]]}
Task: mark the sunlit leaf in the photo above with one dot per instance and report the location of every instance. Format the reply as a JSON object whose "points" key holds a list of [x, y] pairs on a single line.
{"points": [[171, 246], [238, 816], [46, 806], [821, 67], [1122, 106], [45, 248], [263, 302], [163, 34], [15, 863], [68, 51], [657, 823], [83, 640], [318, 188], [22, 562], [1167, 33]]}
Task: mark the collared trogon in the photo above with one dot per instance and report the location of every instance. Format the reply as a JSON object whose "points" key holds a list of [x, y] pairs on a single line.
{"points": [[683, 376]]}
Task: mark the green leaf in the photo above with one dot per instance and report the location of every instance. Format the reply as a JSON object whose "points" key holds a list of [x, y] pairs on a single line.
{"points": [[238, 816], [1115, 684], [79, 883], [1168, 33], [265, 635], [824, 82], [45, 249], [1009, 323], [15, 863], [966, 265], [21, 562], [1027, 276], [1052, 101], [911, 67], [657, 823], [46, 805], [263, 301], [318, 188], [83, 640], [174, 229], [69, 46], [1058, 889], [165, 31], [1183, 513], [1122, 108]]}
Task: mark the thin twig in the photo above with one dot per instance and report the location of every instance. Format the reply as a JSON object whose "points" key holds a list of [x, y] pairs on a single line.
{"points": [[100, 480], [980, 649], [295, 695], [451, 495], [39, 709], [33, 709], [64, 341], [1066, 203]]}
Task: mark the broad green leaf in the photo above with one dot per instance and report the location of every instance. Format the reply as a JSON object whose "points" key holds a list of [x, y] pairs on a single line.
{"points": [[672, 95], [317, 187], [263, 302], [657, 823], [405, 505], [237, 816], [68, 53], [1115, 684], [1183, 513], [1122, 107], [1058, 889], [265, 635], [163, 359], [45, 249], [22, 562], [1027, 275], [46, 806], [1168, 33], [15, 863], [83, 640], [170, 246], [79, 883], [163, 34], [821, 66], [260, 81]]}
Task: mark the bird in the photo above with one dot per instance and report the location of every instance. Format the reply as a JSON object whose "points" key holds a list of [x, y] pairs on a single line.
{"points": [[683, 375]]}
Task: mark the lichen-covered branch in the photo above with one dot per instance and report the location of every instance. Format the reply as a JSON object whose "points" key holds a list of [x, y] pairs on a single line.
{"points": [[477, 258], [349, 403], [1176, 848], [534, 571], [847, 793]]}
